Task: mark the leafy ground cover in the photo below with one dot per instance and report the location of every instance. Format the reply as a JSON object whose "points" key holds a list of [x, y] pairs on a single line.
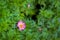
{"points": [[41, 17]]}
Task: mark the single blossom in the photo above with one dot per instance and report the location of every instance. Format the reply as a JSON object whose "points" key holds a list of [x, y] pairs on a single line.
{"points": [[21, 25]]}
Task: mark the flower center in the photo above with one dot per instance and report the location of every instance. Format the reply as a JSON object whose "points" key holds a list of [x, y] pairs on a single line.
{"points": [[21, 25]]}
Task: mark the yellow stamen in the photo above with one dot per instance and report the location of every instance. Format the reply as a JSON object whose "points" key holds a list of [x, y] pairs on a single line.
{"points": [[21, 25]]}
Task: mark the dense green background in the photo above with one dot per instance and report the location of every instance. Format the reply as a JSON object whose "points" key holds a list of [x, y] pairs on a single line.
{"points": [[42, 19]]}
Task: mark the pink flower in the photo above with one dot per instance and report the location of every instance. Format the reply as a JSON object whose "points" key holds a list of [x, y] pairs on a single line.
{"points": [[21, 25]]}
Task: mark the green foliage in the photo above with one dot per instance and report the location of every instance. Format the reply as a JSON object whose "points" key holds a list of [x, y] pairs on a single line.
{"points": [[42, 19], [47, 13]]}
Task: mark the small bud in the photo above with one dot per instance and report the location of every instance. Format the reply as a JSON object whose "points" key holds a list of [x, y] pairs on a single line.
{"points": [[28, 5], [40, 29]]}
